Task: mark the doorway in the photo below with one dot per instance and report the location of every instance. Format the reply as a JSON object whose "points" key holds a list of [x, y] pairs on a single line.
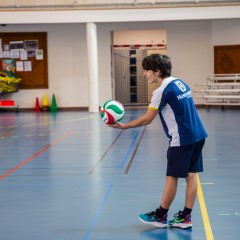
{"points": [[131, 88], [129, 48]]}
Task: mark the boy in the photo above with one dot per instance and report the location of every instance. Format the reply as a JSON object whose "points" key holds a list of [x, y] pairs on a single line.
{"points": [[174, 103]]}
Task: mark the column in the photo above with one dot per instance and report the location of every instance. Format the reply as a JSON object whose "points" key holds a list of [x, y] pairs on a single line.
{"points": [[92, 54]]}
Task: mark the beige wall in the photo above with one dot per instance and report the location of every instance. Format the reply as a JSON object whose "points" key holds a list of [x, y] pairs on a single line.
{"points": [[147, 36]]}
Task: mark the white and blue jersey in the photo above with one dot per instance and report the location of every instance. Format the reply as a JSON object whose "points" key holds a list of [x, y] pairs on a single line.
{"points": [[177, 111]]}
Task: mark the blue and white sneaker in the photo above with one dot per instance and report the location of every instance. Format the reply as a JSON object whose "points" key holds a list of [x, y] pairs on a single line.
{"points": [[152, 218], [180, 222]]}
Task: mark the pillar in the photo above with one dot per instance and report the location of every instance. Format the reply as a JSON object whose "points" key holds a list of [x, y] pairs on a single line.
{"points": [[92, 54]]}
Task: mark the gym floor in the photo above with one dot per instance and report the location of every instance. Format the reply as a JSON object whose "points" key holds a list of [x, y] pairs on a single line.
{"points": [[67, 176]]}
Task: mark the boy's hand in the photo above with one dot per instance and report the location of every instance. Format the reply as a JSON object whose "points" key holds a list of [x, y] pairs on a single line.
{"points": [[117, 125]]}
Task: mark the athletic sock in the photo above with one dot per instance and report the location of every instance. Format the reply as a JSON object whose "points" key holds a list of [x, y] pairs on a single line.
{"points": [[185, 212], [160, 212]]}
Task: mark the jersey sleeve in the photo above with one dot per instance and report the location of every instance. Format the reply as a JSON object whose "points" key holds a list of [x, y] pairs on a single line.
{"points": [[156, 100]]}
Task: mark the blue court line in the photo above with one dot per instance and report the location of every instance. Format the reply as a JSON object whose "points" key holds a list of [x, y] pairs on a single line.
{"points": [[134, 152], [98, 212], [130, 149]]}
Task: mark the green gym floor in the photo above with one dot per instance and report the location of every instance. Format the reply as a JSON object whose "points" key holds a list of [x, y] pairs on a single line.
{"points": [[67, 176]]}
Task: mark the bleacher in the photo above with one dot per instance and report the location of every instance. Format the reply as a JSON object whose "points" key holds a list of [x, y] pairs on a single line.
{"points": [[221, 89]]}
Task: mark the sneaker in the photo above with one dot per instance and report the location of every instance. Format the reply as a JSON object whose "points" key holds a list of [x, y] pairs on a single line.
{"points": [[152, 218], [180, 222]]}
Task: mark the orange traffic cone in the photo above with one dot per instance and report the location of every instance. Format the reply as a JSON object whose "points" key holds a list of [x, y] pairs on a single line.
{"points": [[45, 106], [53, 107], [37, 106]]}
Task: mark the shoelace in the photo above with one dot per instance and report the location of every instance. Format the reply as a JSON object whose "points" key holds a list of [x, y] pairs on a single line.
{"points": [[150, 213], [177, 215], [153, 214]]}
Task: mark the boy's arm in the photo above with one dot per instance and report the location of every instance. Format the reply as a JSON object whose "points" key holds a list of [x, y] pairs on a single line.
{"points": [[141, 121]]}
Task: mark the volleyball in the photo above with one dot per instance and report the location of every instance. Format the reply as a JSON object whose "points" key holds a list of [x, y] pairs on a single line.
{"points": [[112, 111]]}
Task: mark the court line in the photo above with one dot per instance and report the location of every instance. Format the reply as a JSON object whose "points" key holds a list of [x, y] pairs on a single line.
{"points": [[6, 134], [129, 150], [135, 151], [47, 123], [56, 122], [206, 222], [104, 154], [35, 155], [98, 212]]}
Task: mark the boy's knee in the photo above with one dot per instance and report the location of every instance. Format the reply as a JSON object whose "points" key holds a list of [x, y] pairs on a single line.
{"points": [[191, 174]]}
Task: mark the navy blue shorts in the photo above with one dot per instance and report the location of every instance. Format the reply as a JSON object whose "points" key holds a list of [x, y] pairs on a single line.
{"points": [[185, 159]]}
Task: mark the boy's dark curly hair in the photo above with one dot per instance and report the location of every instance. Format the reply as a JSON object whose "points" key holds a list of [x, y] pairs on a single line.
{"points": [[159, 62]]}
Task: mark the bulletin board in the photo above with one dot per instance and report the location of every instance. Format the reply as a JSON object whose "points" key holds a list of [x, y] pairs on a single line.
{"points": [[28, 52]]}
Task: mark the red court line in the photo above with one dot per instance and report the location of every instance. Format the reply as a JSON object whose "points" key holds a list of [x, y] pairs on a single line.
{"points": [[34, 155], [8, 133]]}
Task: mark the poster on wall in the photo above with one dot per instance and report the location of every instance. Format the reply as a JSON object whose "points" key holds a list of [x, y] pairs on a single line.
{"points": [[27, 66], [6, 54], [8, 66], [31, 53], [31, 44], [6, 47], [23, 55], [39, 54], [14, 54], [19, 66], [16, 45]]}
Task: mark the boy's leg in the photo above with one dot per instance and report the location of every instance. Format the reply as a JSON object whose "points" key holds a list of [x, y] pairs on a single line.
{"points": [[169, 191], [191, 190], [182, 219], [158, 218]]}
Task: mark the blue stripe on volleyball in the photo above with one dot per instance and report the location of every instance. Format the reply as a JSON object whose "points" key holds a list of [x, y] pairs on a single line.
{"points": [[129, 150]]}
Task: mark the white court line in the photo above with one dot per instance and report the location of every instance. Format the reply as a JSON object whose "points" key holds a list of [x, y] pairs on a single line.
{"points": [[46, 123]]}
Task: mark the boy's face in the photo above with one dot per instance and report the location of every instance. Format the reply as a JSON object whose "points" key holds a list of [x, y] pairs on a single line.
{"points": [[151, 76]]}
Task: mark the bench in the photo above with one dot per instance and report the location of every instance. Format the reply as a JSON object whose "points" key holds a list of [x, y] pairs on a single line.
{"points": [[221, 96], [221, 89], [225, 77], [224, 91]]}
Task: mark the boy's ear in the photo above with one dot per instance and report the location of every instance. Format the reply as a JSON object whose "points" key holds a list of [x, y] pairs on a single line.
{"points": [[158, 72]]}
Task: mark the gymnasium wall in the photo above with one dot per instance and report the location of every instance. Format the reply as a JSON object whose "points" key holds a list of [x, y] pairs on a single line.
{"points": [[226, 32], [189, 43]]}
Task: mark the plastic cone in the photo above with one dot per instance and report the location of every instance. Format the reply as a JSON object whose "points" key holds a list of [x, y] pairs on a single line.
{"points": [[45, 106], [54, 107], [37, 106]]}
